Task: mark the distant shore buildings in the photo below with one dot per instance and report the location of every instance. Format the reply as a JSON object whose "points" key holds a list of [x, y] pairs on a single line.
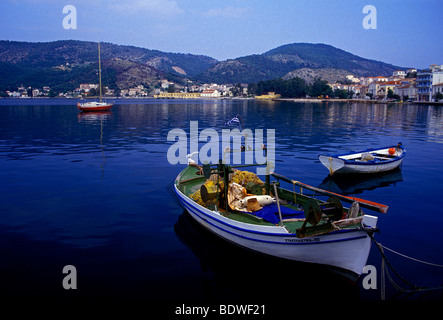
{"points": [[412, 85], [407, 85]]}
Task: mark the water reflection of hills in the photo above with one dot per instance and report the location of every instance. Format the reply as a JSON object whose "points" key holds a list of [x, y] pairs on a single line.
{"points": [[242, 275], [355, 184]]}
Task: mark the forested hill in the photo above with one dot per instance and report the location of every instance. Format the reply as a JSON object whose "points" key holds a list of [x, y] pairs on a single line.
{"points": [[284, 61], [67, 63], [63, 65]]}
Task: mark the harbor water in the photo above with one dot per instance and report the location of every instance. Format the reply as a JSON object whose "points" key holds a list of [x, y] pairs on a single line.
{"points": [[90, 190]]}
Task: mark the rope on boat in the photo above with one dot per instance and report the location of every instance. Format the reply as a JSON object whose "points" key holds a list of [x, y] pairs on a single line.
{"points": [[385, 270]]}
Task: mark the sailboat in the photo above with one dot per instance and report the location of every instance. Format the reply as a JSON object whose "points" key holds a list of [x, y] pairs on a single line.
{"points": [[94, 105]]}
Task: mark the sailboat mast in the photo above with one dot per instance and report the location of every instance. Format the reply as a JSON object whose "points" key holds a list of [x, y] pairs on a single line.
{"points": [[100, 72]]}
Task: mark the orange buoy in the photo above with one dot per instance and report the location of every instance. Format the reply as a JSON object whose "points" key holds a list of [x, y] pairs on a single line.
{"points": [[391, 151]]}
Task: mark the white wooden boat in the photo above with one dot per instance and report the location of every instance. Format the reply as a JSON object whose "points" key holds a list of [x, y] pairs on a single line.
{"points": [[366, 161], [306, 229]]}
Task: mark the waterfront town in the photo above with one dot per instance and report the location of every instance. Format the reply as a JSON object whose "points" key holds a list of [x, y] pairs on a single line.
{"points": [[409, 85]]}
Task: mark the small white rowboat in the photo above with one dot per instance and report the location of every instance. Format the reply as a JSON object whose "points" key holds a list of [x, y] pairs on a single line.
{"points": [[366, 161]]}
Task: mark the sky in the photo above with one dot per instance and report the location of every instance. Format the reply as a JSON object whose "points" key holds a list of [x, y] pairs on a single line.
{"points": [[407, 33]]}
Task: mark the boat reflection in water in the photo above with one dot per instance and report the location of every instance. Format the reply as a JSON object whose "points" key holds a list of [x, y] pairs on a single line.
{"points": [[93, 116], [229, 271], [355, 184]]}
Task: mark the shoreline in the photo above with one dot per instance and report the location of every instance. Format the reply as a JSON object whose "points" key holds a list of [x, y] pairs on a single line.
{"points": [[296, 100], [313, 100]]}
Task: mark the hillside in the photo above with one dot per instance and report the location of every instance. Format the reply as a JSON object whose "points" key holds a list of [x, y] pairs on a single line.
{"points": [[331, 75], [287, 59], [64, 65]]}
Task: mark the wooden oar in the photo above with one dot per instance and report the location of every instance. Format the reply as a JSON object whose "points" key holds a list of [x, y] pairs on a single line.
{"points": [[364, 203]]}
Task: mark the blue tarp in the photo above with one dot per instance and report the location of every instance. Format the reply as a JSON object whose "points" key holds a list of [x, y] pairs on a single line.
{"points": [[270, 213]]}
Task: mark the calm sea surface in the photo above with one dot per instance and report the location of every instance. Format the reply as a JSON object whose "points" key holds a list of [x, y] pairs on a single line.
{"points": [[90, 190]]}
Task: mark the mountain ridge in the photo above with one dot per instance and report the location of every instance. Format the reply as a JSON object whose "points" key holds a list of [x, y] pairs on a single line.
{"points": [[285, 59], [63, 64]]}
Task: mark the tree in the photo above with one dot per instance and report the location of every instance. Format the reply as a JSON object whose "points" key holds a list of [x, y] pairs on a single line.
{"points": [[252, 88], [294, 88], [438, 96], [340, 93], [350, 94], [390, 94], [320, 87]]}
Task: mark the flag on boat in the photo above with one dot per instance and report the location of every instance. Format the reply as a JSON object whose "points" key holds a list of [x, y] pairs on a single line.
{"points": [[234, 120]]}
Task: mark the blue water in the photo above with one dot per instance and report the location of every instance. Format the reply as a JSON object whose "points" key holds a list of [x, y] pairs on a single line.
{"points": [[90, 190]]}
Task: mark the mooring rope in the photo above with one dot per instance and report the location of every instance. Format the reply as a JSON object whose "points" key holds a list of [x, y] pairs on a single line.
{"points": [[386, 264], [411, 258]]}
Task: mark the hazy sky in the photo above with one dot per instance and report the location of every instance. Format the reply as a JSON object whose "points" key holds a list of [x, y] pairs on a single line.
{"points": [[409, 32]]}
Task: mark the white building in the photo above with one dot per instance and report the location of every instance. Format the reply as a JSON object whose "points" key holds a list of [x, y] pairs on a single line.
{"points": [[406, 91], [367, 80], [165, 84], [13, 94], [211, 93], [399, 74], [353, 79], [426, 79], [373, 88], [88, 86], [437, 88]]}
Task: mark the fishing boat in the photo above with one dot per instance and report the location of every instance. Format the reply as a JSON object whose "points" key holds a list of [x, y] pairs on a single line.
{"points": [[94, 105], [281, 222], [366, 161]]}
